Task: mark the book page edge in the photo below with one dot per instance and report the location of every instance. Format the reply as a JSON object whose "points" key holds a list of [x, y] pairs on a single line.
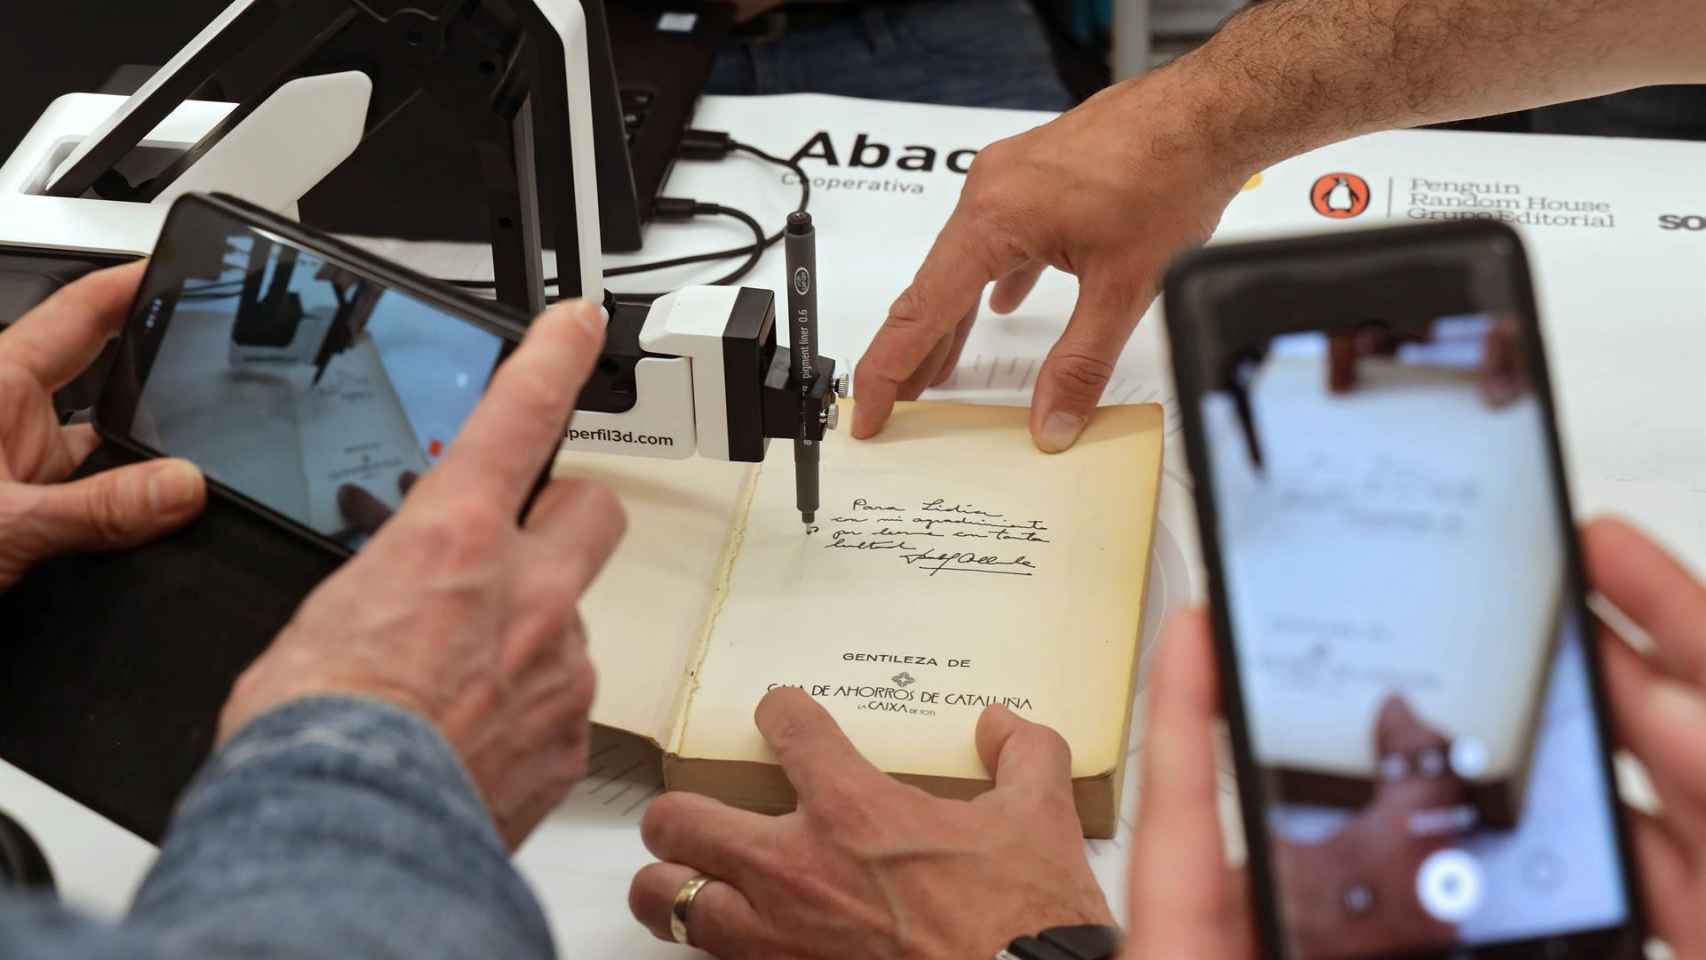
{"points": [[764, 788]]}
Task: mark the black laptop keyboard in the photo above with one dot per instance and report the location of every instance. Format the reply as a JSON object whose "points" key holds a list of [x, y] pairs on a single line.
{"points": [[636, 107]]}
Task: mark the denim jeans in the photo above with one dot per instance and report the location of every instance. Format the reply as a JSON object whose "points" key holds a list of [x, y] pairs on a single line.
{"points": [[330, 827], [970, 53]]}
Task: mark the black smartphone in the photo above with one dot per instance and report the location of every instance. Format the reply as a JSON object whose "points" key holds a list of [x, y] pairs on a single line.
{"points": [[310, 381], [1398, 599]]}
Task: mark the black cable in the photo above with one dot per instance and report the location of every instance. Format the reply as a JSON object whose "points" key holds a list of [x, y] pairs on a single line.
{"points": [[763, 242], [752, 251], [755, 251], [758, 248], [805, 181]]}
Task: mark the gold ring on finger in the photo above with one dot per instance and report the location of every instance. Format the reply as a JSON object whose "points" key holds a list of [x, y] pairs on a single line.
{"points": [[684, 903]]}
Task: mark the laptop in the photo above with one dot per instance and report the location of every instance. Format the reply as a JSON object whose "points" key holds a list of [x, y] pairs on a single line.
{"points": [[649, 60]]}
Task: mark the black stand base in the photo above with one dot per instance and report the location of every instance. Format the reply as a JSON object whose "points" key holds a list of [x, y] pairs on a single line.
{"points": [[114, 667]]}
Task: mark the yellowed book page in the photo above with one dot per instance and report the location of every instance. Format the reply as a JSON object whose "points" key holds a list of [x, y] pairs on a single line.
{"points": [[952, 566], [648, 610]]}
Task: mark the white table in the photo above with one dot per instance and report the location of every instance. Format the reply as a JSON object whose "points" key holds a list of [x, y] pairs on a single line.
{"points": [[1622, 306]]}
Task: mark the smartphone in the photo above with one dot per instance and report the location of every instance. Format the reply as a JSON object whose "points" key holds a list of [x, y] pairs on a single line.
{"points": [[1398, 601], [310, 381]]}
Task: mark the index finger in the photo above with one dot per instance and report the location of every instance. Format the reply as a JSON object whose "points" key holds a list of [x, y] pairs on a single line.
{"points": [[519, 423], [60, 338], [946, 288], [809, 744], [1021, 754]]}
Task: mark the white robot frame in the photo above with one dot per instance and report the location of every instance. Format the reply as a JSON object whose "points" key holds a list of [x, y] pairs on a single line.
{"points": [[679, 399]]}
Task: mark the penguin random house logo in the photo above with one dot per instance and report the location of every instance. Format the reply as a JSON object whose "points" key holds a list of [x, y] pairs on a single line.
{"points": [[802, 281], [1340, 196]]}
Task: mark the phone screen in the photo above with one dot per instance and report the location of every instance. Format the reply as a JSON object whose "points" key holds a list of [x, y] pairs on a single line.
{"points": [[1408, 643], [292, 378]]}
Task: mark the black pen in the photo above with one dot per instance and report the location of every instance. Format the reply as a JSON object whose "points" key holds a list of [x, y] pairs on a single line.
{"points": [[801, 253], [1241, 373]]}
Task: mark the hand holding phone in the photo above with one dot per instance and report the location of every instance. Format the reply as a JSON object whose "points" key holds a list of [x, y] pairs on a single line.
{"points": [[1187, 901], [1398, 599], [313, 383], [39, 515], [460, 613]]}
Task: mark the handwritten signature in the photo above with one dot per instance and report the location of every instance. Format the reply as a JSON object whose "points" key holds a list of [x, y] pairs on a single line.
{"points": [[965, 561]]}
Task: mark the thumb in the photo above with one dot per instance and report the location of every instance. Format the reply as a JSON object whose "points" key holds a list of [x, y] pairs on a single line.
{"points": [[1078, 369], [115, 509]]}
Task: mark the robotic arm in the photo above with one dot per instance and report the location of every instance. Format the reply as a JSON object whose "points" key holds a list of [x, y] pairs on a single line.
{"points": [[701, 371], [698, 372]]}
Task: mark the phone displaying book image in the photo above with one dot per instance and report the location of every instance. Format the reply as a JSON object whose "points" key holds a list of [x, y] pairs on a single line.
{"points": [[305, 378], [1399, 604]]}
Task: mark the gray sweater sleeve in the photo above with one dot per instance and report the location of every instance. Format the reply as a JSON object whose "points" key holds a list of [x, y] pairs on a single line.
{"points": [[329, 827]]}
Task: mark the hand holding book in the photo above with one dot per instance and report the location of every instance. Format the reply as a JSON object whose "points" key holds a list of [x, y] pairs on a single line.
{"points": [[871, 868]]}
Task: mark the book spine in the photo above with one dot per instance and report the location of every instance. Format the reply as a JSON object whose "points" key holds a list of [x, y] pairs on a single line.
{"points": [[719, 596]]}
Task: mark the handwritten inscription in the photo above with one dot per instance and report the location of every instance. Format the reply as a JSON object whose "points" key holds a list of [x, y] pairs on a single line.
{"points": [[1387, 494], [940, 536], [940, 505]]}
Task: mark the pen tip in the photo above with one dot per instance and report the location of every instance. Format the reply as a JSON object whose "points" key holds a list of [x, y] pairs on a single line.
{"points": [[807, 516]]}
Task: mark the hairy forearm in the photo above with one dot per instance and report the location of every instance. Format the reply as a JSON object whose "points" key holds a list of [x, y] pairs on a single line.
{"points": [[1291, 75]]}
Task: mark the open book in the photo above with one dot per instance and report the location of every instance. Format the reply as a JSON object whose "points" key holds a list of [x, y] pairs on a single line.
{"points": [[952, 566], [1401, 540]]}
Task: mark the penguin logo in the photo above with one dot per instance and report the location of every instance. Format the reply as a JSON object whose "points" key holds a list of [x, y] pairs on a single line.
{"points": [[1340, 196], [802, 281]]}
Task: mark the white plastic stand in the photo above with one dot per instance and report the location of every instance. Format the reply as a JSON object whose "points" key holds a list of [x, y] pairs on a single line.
{"points": [[271, 159]]}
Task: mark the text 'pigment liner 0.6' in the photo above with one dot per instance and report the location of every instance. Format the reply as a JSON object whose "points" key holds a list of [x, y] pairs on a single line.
{"points": [[801, 253]]}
